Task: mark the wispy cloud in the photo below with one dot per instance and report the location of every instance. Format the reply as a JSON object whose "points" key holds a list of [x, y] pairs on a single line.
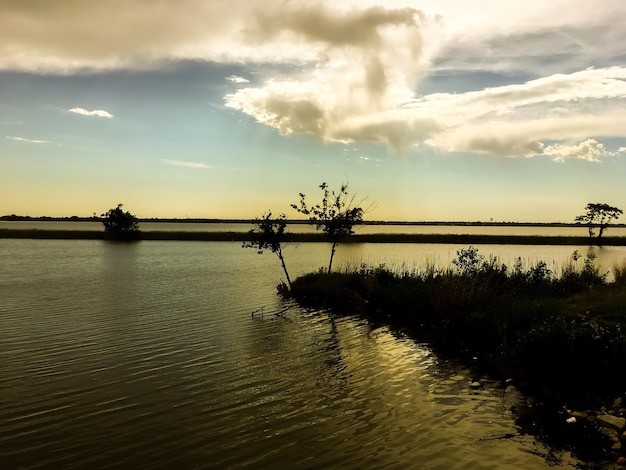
{"points": [[30, 141], [237, 79], [185, 164], [95, 112]]}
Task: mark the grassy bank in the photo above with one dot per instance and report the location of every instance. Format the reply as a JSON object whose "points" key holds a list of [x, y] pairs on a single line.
{"points": [[561, 332], [318, 237], [560, 337]]}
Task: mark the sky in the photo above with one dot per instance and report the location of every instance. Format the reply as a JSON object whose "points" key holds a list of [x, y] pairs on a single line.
{"points": [[442, 110]]}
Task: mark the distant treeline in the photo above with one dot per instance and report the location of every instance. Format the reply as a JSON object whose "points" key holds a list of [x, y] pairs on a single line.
{"points": [[76, 218], [229, 236]]}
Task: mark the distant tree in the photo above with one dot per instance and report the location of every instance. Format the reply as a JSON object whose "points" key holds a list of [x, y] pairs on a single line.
{"points": [[120, 224], [334, 215], [269, 234], [598, 215]]}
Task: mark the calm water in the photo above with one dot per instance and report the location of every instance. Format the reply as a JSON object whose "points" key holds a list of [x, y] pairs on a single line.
{"points": [[146, 355], [304, 228]]}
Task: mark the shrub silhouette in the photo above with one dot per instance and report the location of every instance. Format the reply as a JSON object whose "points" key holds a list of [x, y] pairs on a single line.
{"points": [[598, 215], [120, 224], [335, 215], [269, 234]]}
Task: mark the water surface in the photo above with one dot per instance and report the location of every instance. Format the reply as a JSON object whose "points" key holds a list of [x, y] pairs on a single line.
{"points": [[147, 355]]}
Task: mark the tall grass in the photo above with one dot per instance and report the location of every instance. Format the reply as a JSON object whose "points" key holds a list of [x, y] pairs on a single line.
{"points": [[540, 322], [619, 273]]}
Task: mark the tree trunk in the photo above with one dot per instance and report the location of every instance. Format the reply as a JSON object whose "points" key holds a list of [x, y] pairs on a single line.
{"points": [[282, 261], [332, 255]]}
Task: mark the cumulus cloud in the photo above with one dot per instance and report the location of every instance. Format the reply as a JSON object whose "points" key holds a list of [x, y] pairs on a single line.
{"points": [[30, 141], [510, 120], [185, 164], [370, 63], [95, 112], [590, 150]]}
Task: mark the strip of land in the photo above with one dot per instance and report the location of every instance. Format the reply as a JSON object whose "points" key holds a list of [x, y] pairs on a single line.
{"points": [[455, 239], [18, 218]]}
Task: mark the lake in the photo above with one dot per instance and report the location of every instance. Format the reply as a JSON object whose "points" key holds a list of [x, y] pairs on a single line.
{"points": [[148, 355]]}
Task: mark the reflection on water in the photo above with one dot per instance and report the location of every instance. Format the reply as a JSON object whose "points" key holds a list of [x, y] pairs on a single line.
{"points": [[146, 355]]}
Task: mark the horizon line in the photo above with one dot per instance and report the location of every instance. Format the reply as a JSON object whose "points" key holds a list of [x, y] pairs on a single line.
{"points": [[74, 218]]}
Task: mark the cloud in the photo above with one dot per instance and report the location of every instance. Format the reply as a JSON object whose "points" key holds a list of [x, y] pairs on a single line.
{"points": [[30, 141], [362, 89], [95, 112], [57, 36], [237, 79], [510, 120], [185, 164], [333, 27], [68, 37], [353, 67], [63, 37], [369, 64], [590, 150]]}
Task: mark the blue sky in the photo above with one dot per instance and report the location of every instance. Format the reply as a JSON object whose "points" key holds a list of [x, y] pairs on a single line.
{"points": [[445, 110]]}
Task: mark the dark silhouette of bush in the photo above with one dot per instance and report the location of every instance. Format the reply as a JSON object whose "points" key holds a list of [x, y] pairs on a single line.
{"points": [[335, 215], [269, 234], [120, 225], [598, 215]]}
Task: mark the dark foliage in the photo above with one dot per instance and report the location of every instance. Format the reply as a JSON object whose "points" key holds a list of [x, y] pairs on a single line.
{"points": [[519, 323], [269, 234], [335, 215], [119, 224], [598, 215]]}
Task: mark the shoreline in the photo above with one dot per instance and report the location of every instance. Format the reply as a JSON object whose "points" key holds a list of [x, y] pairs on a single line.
{"points": [[432, 223], [559, 340], [453, 239]]}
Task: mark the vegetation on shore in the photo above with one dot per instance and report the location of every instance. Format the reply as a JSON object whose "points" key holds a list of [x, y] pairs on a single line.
{"points": [[335, 215], [598, 215], [269, 234], [120, 225], [559, 336], [557, 332]]}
